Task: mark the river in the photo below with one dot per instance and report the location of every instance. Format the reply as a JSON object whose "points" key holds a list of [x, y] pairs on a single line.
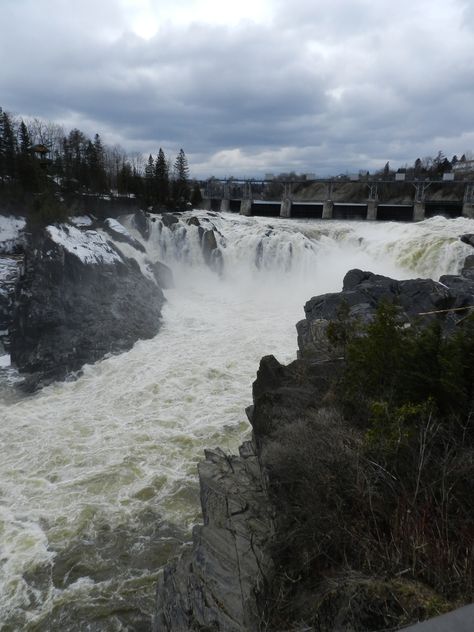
{"points": [[98, 484]]}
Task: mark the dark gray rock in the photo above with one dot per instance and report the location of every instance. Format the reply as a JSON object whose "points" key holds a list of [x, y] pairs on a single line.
{"points": [[70, 312], [468, 268], [163, 274], [209, 243], [120, 234], [282, 394], [142, 223], [193, 221], [10, 271], [168, 220], [468, 238], [210, 250], [213, 586], [362, 293]]}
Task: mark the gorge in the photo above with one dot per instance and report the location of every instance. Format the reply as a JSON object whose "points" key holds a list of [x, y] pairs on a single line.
{"points": [[98, 476]]}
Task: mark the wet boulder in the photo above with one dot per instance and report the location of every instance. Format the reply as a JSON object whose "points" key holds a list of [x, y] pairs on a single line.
{"points": [[193, 221], [169, 220], [163, 274], [141, 223], [467, 238], [119, 233]]}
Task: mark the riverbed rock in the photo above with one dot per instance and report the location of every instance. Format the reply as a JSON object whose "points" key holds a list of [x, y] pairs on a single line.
{"points": [[193, 221], [141, 222], [119, 233], [169, 220], [467, 238], [210, 250], [11, 267], [163, 274], [78, 300]]}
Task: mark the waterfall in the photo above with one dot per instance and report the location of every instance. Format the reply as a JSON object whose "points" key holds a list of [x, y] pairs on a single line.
{"points": [[98, 481]]}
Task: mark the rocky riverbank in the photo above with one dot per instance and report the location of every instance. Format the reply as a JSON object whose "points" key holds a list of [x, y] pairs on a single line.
{"points": [[77, 298], [237, 573], [74, 292]]}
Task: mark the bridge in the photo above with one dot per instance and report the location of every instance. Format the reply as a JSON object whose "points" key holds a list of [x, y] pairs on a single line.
{"points": [[347, 198]]}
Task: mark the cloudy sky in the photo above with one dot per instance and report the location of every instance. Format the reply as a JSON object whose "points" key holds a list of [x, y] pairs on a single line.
{"points": [[250, 86]]}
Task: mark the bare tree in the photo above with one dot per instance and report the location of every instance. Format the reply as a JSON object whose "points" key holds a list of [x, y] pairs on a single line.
{"points": [[46, 133]]}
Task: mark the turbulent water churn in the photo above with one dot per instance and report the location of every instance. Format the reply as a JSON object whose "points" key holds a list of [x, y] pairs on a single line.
{"points": [[98, 481]]}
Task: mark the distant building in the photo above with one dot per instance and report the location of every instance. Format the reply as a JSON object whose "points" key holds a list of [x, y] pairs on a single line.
{"points": [[269, 176], [463, 166], [310, 176]]}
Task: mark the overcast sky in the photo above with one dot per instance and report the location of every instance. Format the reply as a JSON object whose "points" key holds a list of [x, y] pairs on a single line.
{"points": [[251, 86]]}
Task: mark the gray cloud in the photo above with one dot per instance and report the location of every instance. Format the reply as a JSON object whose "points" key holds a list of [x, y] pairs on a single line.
{"points": [[321, 86]]}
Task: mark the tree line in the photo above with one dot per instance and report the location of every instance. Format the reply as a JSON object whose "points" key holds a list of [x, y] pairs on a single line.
{"points": [[429, 166], [38, 156]]}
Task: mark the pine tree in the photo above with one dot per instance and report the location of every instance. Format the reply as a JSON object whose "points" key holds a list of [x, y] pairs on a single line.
{"points": [[150, 181], [9, 147], [161, 178], [181, 171], [78, 146], [96, 176], [28, 170], [2, 149], [99, 176], [125, 178]]}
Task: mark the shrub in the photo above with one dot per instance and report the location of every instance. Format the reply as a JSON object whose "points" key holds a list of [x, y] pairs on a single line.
{"points": [[47, 209], [382, 484]]}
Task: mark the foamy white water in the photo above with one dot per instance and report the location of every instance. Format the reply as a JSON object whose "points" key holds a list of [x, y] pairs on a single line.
{"points": [[98, 481]]}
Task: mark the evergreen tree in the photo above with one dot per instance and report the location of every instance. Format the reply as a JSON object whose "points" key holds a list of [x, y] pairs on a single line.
{"points": [[94, 176], [78, 146], [161, 178], [99, 176], [125, 178], [25, 142], [28, 170], [8, 147], [181, 172], [2, 149], [150, 192]]}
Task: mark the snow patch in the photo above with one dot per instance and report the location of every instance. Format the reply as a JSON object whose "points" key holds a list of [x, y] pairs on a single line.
{"points": [[10, 227], [117, 227], [10, 232], [89, 246], [81, 220], [4, 361]]}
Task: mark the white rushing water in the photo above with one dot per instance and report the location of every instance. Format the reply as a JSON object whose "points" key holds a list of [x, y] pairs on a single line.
{"points": [[98, 481]]}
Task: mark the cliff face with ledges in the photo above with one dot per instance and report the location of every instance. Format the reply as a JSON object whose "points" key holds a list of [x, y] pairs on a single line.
{"points": [[78, 300]]}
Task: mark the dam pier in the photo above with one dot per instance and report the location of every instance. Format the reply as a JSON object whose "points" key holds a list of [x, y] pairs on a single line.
{"points": [[347, 198]]}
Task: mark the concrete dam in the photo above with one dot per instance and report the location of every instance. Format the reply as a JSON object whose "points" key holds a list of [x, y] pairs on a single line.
{"points": [[390, 200]]}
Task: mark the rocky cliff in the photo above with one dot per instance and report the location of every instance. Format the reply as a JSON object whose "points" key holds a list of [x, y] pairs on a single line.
{"points": [[215, 584], [78, 300], [227, 580]]}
